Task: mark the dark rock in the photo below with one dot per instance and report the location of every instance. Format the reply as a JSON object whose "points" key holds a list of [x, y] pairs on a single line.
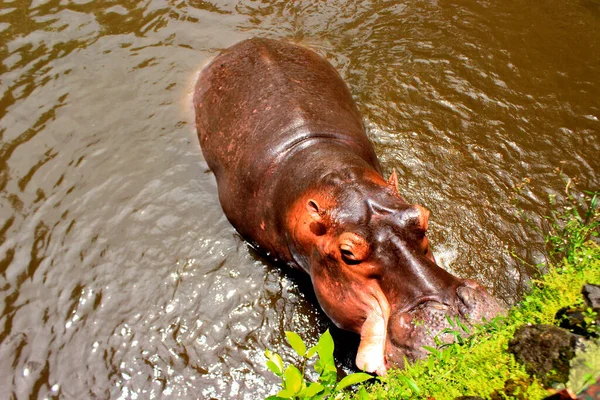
{"points": [[546, 351], [591, 294], [562, 395], [513, 389], [573, 318]]}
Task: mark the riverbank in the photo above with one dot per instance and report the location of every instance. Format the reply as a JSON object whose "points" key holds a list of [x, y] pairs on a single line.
{"points": [[481, 365]]}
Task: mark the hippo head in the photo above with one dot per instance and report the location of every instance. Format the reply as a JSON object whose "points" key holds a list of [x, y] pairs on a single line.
{"points": [[373, 271]]}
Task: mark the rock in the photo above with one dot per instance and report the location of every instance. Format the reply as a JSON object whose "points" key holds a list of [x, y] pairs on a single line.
{"points": [[515, 389], [574, 319], [546, 351], [591, 294], [562, 395], [585, 368]]}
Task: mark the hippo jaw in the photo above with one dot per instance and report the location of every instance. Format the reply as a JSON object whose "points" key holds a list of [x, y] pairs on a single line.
{"points": [[388, 339]]}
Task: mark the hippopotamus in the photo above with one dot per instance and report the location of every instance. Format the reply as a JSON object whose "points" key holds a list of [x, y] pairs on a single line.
{"points": [[300, 181]]}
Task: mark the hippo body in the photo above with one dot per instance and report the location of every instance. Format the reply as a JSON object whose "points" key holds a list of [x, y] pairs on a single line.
{"points": [[299, 179]]}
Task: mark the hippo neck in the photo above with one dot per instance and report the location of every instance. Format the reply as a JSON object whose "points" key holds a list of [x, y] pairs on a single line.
{"points": [[337, 146]]}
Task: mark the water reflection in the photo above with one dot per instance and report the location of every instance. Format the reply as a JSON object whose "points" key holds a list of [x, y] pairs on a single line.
{"points": [[120, 276]]}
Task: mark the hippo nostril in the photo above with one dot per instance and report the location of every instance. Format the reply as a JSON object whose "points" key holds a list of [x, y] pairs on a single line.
{"points": [[466, 295], [468, 300], [477, 303]]}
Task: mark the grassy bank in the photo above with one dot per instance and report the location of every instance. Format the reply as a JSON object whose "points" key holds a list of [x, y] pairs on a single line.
{"points": [[481, 365]]}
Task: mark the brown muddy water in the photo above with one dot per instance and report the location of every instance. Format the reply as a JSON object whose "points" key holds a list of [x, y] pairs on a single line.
{"points": [[119, 275]]}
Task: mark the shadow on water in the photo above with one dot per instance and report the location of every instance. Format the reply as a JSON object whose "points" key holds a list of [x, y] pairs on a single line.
{"points": [[312, 320], [119, 275]]}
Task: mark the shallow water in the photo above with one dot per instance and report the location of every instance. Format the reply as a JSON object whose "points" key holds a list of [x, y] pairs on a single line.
{"points": [[119, 275]]}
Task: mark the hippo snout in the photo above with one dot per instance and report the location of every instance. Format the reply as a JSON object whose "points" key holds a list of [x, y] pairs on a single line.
{"points": [[425, 324], [409, 331]]}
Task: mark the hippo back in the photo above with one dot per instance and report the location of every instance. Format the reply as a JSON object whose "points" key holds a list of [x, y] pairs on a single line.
{"points": [[255, 103]]}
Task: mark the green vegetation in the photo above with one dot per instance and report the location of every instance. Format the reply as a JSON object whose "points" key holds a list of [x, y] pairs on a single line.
{"points": [[480, 365], [294, 385]]}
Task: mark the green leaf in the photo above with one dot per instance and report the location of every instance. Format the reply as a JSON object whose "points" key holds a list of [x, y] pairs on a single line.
{"points": [[285, 394], [445, 355], [362, 394], [319, 367], [352, 379], [325, 347], [276, 360], [411, 384], [329, 366], [313, 389], [296, 343], [430, 363], [327, 373], [274, 368], [432, 350], [293, 379], [312, 351], [463, 326]]}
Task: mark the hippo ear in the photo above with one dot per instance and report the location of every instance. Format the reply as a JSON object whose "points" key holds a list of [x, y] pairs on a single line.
{"points": [[313, 209], [422, 217], [393, 180]]}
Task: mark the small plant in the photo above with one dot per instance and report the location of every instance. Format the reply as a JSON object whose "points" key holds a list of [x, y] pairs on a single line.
{"points": [[590, 318], [573, 224], [294, 385]]}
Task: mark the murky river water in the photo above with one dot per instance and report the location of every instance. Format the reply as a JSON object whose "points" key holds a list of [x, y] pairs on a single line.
{"points": [[119, 275]]}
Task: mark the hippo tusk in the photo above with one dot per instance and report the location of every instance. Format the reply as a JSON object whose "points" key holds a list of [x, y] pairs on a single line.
{"points": [[373, 335], [370, 356]]}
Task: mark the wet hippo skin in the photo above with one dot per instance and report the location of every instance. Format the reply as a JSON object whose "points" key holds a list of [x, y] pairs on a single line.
{"points": [[298, 178]]}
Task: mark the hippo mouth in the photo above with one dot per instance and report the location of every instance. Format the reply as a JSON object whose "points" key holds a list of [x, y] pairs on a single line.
{"points": [[389, 342]]}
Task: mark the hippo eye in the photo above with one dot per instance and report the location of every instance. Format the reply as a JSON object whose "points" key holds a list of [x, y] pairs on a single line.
{"points": [[348, 256], [353, 248]]}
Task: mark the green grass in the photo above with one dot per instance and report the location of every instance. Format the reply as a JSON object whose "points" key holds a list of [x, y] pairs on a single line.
{"points": [[482, 366]]}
